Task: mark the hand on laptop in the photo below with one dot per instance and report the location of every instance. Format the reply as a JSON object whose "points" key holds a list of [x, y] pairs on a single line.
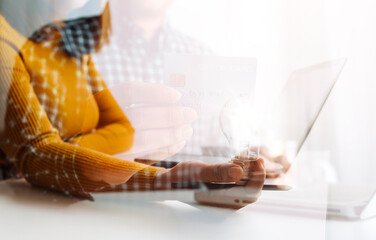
{"points": [[161, 125], [275, 165]]}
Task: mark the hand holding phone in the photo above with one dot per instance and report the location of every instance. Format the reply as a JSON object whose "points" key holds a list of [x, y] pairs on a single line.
{"points": [[237, 196]]}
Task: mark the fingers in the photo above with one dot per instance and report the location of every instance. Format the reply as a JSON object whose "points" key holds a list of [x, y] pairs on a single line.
{"points": [[259, 165], [258, 175], [160, 117], [282, 160], [221, 173], [273, 169], [144, 93], [202, 172], [276, 166], [182, 173]]}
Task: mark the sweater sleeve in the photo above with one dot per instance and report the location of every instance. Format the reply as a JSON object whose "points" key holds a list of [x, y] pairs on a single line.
{"points": [[29, 140], [114, 132]]}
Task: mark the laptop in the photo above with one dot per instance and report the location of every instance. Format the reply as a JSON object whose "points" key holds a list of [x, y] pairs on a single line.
{"points": [[208, 82], [292, 119], [290, 123]]}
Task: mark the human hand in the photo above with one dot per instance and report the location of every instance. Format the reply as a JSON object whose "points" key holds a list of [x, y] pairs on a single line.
{"points": [[235, 196], [161, 126], [250, 191], [257, 176], [193, 172], [196, 171], [275, 165]]}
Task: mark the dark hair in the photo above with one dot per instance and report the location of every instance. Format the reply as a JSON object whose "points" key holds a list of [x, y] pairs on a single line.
{"points": [[106, 27]]}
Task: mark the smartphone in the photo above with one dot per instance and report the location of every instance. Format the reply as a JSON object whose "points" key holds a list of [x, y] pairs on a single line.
{"points": [[228, 195], [232, 195]]}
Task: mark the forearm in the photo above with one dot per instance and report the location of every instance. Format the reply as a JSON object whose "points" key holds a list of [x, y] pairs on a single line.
{"points": [[141, 181], [114, 132], [77, 171], [111, 139]]}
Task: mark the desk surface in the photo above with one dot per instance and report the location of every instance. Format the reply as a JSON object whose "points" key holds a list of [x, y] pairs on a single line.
{"points": [[39, 214]]}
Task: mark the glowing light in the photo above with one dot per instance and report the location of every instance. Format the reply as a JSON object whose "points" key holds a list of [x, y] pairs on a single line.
{"points": [[239, 126]]}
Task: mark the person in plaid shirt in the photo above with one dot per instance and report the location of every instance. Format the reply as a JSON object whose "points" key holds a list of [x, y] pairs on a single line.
{"points": [[141, 35], [60, 126]]}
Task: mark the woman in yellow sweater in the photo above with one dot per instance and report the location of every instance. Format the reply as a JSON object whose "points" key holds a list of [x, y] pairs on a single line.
{"points": [[59, 123]]}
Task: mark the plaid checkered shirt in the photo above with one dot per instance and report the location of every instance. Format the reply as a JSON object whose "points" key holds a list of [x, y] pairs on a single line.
{"points": [[130, 57]]}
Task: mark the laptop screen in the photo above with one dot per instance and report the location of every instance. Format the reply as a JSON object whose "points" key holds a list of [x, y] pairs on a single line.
{"points": [[301, 101]]}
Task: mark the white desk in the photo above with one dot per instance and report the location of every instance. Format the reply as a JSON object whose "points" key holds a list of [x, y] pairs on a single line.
{"points": [[30, 213]]}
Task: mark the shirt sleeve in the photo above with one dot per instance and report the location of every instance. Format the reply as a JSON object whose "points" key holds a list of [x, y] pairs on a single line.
{"points": [[114, 132], [29, 140]]}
